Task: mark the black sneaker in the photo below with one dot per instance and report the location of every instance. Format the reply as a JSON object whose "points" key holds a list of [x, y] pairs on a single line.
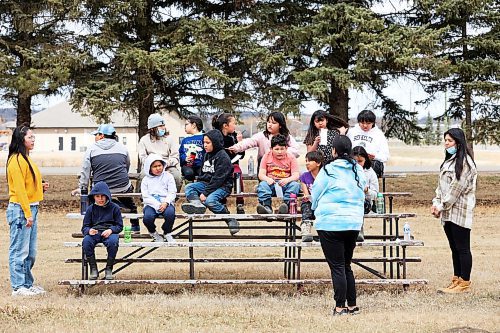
{"points": [[240, 209], [261, 209], [354, 311]]}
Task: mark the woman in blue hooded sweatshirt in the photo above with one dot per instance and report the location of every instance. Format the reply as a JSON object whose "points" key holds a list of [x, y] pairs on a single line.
{"points": [[338, 203]]}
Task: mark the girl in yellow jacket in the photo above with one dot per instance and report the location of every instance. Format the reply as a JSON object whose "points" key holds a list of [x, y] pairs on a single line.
{"points": [[25, 193]]}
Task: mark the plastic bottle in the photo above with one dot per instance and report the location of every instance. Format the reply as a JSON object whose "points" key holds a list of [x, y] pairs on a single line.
{"points": [[127, 234], [380, 203], [84, 200], [407, 231], [251, 167], [292, 209]]}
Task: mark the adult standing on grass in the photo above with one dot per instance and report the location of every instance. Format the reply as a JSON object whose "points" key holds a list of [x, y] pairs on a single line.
{"points": [[454, 204], [25, 193], [158, 141], [338, 203]]}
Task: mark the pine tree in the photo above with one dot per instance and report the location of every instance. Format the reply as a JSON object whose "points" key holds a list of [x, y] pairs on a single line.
{"points": [[428, 135]]}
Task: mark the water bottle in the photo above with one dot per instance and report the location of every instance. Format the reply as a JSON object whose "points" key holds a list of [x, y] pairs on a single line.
{"points": [[292, 208], [380, 203], [237, 182], [127, 234], [84, 200], [251, 167], [407, 231]]}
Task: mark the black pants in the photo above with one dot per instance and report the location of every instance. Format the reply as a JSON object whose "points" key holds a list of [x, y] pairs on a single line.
{"points": [[378, 167], [190, 173], [338, 247], [459, 240], [128, 202]]}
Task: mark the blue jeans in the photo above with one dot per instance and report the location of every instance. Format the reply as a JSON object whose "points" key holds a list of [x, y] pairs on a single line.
{"points": [[213, 201], [22, 250], [150, 215], [265, 192], [111, 243]]}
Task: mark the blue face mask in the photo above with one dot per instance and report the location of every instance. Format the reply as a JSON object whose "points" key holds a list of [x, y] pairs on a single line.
{"points": [[161, 132], [451, 150]]}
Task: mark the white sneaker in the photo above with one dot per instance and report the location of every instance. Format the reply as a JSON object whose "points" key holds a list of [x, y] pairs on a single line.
{"points": [[170, 239], [156, 236], [37, 290], [23, 292]]}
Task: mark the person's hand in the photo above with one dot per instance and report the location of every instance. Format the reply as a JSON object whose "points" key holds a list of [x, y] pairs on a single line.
{"points": [[29, 222], [76, 192], [435, 212], [106, 233], [270, 181], [203, 197], [163, 206], [239, 136], [366, 189], [371, 156], [317, 140], [92, 232], [343, 130], [45, 185], [284, 181], [232, 149]]}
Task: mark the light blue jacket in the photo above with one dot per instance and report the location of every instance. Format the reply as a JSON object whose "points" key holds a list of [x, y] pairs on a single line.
{"points": [[337, 200]]}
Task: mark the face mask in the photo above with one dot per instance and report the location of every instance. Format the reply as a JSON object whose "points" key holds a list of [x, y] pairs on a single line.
{"points": [[161, 132], [451, 150]]}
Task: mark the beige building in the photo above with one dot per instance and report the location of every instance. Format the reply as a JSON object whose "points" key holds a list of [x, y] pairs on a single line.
{"points": [[59, 129]]}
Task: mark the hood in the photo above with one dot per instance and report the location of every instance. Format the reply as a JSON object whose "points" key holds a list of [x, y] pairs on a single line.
{"points": [[106, 143], [217, 140], [338, 163], [149, 160], [99, 188]]}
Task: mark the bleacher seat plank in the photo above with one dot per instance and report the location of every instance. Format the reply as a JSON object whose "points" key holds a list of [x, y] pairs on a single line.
{"points": [[77, 283]]}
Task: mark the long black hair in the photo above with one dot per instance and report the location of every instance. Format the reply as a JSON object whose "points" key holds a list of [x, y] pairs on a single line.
{"points": [[462, 151], [17, 147], [280, 119], [332, 123], [360, 151], [219, 120], [343, 148]]}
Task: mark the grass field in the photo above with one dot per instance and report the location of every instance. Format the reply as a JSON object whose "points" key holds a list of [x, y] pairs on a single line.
{"points": [[260, 308]]}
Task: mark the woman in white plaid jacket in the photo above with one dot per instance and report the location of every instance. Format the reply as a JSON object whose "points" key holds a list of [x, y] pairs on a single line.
{"points": [[454, 204]]}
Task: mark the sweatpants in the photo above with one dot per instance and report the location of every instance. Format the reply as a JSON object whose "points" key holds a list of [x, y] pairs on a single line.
{"points": [[338, 248]]}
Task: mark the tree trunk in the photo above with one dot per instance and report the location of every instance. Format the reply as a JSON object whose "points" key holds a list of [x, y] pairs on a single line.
{"points": [[338, 101], [23, 109]]}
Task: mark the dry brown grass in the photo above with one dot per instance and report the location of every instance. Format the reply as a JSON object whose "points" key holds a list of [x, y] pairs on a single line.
{"points": [[259, 308]]}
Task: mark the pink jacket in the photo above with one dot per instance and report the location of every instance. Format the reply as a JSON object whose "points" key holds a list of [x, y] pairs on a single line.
{"points": [[264, 144]]}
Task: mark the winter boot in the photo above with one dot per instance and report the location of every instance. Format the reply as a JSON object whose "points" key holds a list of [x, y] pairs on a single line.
{"points": [[108, 271], [94, 272], [233, 224], [461, 287], [264, 207], [453, 284], [193, 206], [305, 228]]}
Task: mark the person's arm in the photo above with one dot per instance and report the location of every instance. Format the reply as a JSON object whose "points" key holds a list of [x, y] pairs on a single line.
{"points": [[247, 143], [87, 222], [117, 217], [457, 188], [18, 171], [141, 149], [173, 154], [320, 186], [373, 185], [85, 172], [182, 153], [382, 154]]}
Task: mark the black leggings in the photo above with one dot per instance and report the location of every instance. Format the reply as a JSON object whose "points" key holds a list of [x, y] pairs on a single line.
{"points": [[338, 247], [459, 240]]}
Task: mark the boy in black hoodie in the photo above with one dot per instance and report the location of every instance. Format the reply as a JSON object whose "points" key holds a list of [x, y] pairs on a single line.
{"points": [[102, 224], [214, 183]]}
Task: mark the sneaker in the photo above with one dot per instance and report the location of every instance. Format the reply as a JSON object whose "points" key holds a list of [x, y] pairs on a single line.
{"points": [[37, 290], [283, 208], [156, 236], [136, 229], [343, 312], [306, 234], [240, 209], [170, 239], [193, 207], [261, 209], [234, 226], [23, 292], [354, 311]]}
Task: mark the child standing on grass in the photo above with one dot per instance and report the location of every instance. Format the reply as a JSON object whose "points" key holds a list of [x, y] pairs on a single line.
{"points": [[314, 162], [322, 120], [102, 224], [215, 182], [337, 201], [278, 168], [276, 124], [191, 150], [226, 123], [158, 194]]}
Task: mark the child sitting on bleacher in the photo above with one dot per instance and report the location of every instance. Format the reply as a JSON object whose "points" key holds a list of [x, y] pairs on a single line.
{"points": [[102, 224], [215, 182], [278, 172], [314, 162], [372, 187], [158, 195]]}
